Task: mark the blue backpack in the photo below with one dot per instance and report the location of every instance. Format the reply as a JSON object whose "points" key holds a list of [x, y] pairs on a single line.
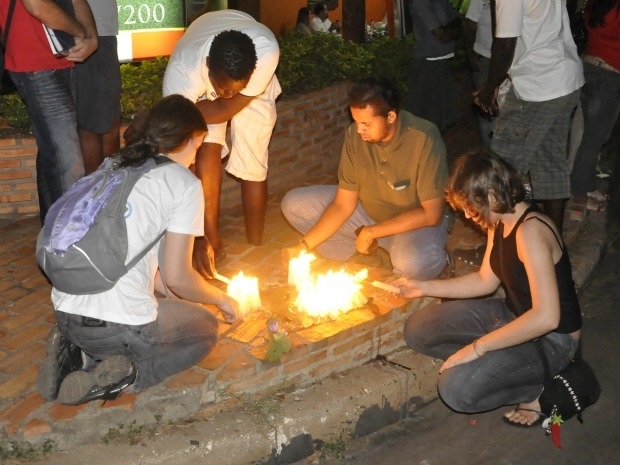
{"points": [[82, 247]]}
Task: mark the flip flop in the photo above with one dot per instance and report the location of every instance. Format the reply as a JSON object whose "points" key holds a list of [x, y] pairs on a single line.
{"points": [[539, 421]]}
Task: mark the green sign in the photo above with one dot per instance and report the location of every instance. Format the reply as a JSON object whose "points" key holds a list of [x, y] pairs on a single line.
{"points": [[145, 14]]}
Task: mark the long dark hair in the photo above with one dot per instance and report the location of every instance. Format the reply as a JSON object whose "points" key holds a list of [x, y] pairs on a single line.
{"points": [[477, 174], [170, 123], [598, 9]]}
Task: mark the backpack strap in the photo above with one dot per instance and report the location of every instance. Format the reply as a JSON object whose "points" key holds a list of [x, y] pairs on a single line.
{"points": [[7, 26]]}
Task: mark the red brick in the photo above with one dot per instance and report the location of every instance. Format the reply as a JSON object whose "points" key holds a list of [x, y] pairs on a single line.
{"points": [[240, 367], [186, 378], [20, 409], [36, 428], [17, 360], [30, 333], [59, 412], [10, 175]]}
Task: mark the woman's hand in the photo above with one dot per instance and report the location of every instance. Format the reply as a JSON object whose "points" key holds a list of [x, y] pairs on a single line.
{"points": [[229, 308], [409, 288], [465, 355]]}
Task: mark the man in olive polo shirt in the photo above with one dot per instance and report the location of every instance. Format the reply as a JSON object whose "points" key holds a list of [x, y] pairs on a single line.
{"points": [[391, 180]]}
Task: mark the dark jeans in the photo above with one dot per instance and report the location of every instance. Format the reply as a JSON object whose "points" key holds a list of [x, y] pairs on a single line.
{"points": [[49, 97], [501, 377], [182, 335], [600, 101]]}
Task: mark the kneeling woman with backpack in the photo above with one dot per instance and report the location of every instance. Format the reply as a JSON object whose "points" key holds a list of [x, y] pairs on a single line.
{"points": [[129, 337]]}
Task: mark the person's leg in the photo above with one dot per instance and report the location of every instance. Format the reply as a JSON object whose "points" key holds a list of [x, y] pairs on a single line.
{"points": [[302, 207], [209, 170], [549, 167], [508, 376], [254, 197], [50, 100], [98, 83], [251, 130], [182, 334], [418, 254], [601, 105]]}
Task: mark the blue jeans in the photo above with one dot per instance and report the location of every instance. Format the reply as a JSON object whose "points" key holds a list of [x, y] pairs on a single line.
{"points": [[600, 101], [49, 97], [182, 335], [501, 377], [418, 254]]}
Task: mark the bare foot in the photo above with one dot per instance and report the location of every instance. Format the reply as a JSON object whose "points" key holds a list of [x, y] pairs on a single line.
{"points": [[525, 414]]}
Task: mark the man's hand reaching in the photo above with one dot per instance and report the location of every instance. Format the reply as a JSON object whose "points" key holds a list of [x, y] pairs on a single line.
{"points": [[203, 258]]}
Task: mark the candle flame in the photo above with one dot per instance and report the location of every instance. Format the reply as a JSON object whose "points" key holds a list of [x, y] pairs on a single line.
{"points": [[244, 289]]}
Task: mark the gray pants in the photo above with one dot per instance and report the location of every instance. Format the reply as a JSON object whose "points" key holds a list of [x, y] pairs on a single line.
{"points": [[507, 376], [182, 335]]}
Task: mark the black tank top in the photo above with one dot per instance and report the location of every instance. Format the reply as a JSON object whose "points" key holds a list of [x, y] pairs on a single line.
{"points": [[510, 270]]}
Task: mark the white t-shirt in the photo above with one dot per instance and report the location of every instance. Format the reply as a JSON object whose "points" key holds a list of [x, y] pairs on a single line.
{"points": [[319, 25], [479, 12], [546, 64], [166, 198], [187, 72]]}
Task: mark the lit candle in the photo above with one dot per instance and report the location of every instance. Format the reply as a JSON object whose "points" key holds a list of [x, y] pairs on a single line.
{"points": [[299, 269], [244, 289]]}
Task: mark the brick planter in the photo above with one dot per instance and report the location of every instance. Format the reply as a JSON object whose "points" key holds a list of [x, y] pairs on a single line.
{"points": [[306, 143]]}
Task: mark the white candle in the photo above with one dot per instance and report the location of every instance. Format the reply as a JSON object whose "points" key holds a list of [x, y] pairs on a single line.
{"points": [[244, 289], [299, 269], [386, 287]]}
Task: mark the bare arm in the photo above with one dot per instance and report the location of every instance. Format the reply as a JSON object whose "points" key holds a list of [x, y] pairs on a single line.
{"points": [[221, 110], [333, 217], [430, 213], [186, 282], [476, 284], [538, 251], [502, 54], [469, 38], [82, 27]]}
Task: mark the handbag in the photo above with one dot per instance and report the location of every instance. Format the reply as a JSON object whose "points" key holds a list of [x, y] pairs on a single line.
{"points": [[6, 83], [566, 394]]}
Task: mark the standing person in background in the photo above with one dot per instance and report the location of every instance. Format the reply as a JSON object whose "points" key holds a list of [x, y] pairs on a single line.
{"points": [[600, 98], [431, 92], [321, 22], [478, 37], [533, 44], [46, 84], [99, 90], [226, 62]]}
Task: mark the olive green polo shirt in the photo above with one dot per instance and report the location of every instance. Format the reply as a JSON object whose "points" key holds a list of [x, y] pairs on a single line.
{"points": [[395, 176]]}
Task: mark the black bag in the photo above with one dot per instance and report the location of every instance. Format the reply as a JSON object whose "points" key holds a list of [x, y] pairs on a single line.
{"points": [[569, 393], [6, 83]]}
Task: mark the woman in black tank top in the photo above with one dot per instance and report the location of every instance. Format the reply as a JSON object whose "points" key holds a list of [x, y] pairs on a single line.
{"points": [[488, 346]]}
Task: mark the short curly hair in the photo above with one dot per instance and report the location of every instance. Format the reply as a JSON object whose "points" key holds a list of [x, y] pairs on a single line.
{"points": [[233, 53], [477, 173]]}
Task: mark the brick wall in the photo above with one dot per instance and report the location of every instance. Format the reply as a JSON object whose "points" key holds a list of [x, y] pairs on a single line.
{"points": [[305, 144]]}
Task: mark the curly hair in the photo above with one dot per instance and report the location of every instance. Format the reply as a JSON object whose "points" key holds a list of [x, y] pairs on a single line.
{"points": [[481, 175], [171, 122], [233, 53], [377, 92]]}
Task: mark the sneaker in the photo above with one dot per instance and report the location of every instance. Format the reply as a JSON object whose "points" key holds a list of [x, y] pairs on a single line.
{"points": [[106, 381], [63, 358], [473, 257]]}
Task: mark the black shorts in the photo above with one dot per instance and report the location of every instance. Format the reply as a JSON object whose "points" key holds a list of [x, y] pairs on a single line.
{"points": [[99, 88]]}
